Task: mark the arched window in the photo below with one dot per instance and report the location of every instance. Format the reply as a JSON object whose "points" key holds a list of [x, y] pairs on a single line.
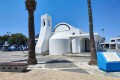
{"points": [[44, 22]]}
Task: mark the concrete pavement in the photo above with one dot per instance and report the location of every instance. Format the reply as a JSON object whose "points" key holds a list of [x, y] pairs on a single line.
{"points": [[70, 62]]}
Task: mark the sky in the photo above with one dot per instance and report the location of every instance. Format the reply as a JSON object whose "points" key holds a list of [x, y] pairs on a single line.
{"points": [[106, 15]]}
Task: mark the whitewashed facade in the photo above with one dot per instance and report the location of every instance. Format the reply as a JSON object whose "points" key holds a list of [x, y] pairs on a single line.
{"points": [[114, 43], [64, 39]]}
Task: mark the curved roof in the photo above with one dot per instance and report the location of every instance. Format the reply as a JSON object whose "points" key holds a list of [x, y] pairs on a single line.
{"points": [[65, 27], [62, 27]]}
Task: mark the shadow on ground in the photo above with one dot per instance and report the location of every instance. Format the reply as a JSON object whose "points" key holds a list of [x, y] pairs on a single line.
{"points": [[59, 64], [59, 61]]}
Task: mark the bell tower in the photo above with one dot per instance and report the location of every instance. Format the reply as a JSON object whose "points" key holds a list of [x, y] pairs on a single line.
{"points": [[46, 21], [45, 34]]}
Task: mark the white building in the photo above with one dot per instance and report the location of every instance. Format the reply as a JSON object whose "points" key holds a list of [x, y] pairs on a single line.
{"points": [[114, 43], [64, 39]]}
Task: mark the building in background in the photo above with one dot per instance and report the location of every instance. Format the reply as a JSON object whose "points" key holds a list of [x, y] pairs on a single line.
{"points": [[114, 43]]}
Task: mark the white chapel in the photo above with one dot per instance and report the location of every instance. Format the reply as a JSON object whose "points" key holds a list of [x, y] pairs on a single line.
{"points": [[63, 39]]}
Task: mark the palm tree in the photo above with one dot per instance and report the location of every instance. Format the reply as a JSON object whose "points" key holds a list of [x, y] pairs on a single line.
{"points": [[92, 42], [31, 6]]}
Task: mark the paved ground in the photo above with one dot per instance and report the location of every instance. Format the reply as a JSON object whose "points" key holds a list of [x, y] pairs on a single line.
{"points": [[71, 62]]}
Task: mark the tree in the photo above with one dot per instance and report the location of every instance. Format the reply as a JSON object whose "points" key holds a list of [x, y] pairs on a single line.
{"points": [[18, 39], [3, 39], [31, 6], [92, 42]]}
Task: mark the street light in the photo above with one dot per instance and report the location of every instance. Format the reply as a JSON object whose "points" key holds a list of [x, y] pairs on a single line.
{"points": [[103, 37], [102, 31], [8, 34]]}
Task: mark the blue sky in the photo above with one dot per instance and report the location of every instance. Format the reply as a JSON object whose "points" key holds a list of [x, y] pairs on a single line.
{"points": [[106, 15]]}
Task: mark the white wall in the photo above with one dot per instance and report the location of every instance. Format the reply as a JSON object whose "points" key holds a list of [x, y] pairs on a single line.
{"points": [[45, 34], [59, 44], [75, 45]]}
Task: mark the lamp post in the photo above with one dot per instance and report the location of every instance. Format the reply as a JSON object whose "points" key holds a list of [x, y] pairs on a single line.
{"points": [[103, 37], [8, 34], [31, 7], [102, 31]]}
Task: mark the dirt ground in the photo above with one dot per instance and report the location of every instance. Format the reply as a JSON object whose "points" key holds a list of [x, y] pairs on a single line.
{"points": [[42, 74]]}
